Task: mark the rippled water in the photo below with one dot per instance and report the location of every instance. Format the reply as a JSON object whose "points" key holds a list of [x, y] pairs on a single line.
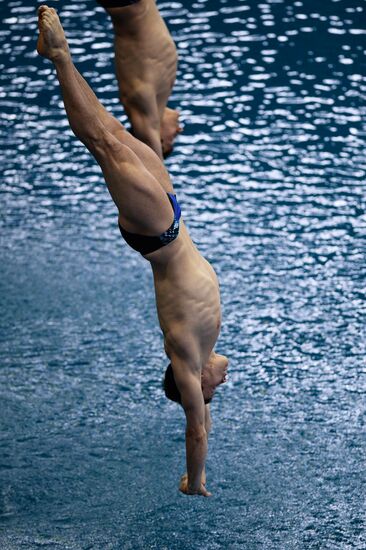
{"points": [[270, 172]]}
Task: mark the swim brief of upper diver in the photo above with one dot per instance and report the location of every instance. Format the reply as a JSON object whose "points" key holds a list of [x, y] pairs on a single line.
{"points": [[116, 3], [146, 244]]}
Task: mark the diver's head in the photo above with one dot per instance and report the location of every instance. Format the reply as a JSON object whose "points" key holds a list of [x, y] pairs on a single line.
{"points": [[213, 374], [170, 387]]}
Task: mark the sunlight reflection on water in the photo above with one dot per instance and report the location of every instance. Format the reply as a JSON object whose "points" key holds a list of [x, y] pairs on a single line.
{"points": [[270, 172]]}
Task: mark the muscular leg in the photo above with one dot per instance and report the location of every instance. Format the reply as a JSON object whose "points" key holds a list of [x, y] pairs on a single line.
{"points": [[108, 120], [142, 203]]}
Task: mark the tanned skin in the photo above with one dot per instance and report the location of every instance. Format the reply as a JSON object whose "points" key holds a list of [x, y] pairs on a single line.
{"points": [[146, 66], [186, 286]]}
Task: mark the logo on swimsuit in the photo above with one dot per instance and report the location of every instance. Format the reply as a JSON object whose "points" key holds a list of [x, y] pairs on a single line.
{"points": [[170, 234]]}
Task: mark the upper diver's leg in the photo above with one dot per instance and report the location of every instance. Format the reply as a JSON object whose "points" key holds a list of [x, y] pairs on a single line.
{"points": [[142, 203]]}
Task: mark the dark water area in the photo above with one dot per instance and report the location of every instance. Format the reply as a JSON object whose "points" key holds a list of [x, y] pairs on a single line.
{"points": [[270, 172]]}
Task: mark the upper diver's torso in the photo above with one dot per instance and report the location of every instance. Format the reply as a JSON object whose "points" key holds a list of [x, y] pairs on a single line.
{"points": [[147, 53]]}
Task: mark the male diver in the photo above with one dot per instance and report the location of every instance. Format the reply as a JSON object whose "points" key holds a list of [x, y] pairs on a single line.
{"points": [[146, 65], [149, 216]]}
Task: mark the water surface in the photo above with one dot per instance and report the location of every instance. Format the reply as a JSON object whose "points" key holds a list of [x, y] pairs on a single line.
{"points": [[270, 173]]}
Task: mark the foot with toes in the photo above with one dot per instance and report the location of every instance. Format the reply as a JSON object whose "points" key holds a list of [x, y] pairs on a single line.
{"points": [[51, 41]]}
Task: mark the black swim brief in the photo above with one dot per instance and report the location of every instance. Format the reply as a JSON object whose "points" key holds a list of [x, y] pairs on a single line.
{"points": [[116, 3], [146, 244]]}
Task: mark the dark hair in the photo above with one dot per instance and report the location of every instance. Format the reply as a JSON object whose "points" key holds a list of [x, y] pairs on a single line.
{"points": [[170, 387]]}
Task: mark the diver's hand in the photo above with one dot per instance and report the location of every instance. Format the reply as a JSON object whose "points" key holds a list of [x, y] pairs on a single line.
{"points": [[183, 487], [203, 477]]}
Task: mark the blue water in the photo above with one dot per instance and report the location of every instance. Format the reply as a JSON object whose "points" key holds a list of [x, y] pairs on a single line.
{"points": [[270, 172]]}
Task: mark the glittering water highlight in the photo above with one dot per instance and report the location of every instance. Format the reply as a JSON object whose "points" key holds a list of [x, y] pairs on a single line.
{"points": [[270, 173]]}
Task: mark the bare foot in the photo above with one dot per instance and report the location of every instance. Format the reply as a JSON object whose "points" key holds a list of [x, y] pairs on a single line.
{"points": [[51, 41], [169, 129]]}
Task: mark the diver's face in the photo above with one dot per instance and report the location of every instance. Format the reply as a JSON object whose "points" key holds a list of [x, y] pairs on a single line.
{"points": [[213, 374]]}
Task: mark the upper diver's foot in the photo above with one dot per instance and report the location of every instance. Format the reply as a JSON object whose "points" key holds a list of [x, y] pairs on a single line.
{"points": [[51, 41], [169, 129]]}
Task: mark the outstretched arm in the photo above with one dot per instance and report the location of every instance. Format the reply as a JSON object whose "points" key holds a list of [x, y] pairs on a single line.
{"points": [[188, 381], [208, 424], [144, 129], [142, 111]]}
